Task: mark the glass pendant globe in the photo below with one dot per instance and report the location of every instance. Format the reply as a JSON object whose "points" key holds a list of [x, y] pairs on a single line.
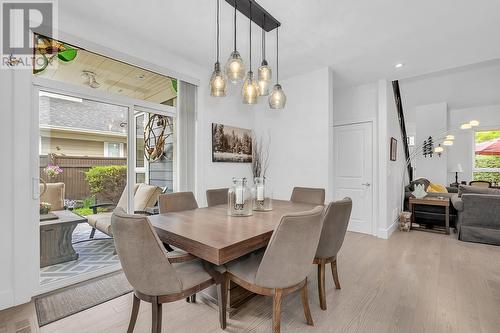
{"points": [[217, 82], [277, 98], [235, 68], [264, 75], [250, 90]]}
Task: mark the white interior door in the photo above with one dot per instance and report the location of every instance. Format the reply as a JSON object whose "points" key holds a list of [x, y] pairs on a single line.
{"points": [[353, 165]]}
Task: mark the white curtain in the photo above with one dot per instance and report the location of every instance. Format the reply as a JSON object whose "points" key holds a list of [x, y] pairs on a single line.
{"points": [[186, 136]]}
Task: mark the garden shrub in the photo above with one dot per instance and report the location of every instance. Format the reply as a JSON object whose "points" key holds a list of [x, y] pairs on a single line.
{"points": [[107, 182]]}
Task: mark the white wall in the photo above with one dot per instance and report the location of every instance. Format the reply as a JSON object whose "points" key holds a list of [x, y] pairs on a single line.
{"points": [[470, 92], [463, 147], [6, 191], [461, 88], [352, 104], [431, 120], [299, 134], [395, 173], [229, 111]]}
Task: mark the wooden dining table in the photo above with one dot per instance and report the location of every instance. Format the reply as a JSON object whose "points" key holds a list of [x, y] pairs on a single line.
{"points": [[214, 236]]}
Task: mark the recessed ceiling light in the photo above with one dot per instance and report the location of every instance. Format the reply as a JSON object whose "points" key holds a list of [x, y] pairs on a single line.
{"points": [[399, 65]]}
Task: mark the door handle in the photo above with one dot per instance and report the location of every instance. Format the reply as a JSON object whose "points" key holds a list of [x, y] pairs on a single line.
{"points": [[366, 184]]}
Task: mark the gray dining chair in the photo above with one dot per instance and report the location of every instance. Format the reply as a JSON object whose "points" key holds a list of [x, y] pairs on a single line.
{"points": [[315, 196], [154, 278], [335, 223], [217, 196], [284, 265], [177, 202]]}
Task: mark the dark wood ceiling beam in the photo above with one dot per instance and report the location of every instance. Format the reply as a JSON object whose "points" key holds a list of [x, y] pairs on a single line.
{"points": [[259, 15]]}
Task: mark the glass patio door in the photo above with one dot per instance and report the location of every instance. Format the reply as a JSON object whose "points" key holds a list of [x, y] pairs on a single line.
{"points": [[83, 176], [89, 149]]}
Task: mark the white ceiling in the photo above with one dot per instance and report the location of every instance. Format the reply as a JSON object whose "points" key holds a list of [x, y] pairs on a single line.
{"points": [[360, 40]]}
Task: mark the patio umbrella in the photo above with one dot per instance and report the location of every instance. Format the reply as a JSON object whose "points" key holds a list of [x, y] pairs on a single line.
{"points": [[488, 148]]}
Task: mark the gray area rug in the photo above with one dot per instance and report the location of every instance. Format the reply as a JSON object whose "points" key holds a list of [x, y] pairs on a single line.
{"points": [[64, 302]]}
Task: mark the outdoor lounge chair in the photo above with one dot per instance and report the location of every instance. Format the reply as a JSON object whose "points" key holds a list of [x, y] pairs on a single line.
{"points": [[144, 196]]}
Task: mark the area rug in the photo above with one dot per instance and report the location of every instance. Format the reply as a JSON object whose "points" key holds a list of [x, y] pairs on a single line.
{"points": [[67, 301]]}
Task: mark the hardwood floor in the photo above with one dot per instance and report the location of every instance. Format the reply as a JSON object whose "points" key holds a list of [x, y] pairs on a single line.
{"points": [[413, 282]]}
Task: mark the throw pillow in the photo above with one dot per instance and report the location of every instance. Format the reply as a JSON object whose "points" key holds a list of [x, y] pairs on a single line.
{"points": [[464, 189], [437, 188]]}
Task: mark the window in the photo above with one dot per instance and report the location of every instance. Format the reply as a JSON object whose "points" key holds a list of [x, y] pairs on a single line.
{"points": [[114, 149], [487, 156]]}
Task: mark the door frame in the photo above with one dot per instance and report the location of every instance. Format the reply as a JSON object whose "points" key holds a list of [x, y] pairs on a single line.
{"points": [[373, 123], [132, 105]]}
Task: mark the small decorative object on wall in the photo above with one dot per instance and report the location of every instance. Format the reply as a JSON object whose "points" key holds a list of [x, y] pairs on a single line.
{"points": [[394, 149], [428, 147], [231, 144], [239, 198], [419, 191]]}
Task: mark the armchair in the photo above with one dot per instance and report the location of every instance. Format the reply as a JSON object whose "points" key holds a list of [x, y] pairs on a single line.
{"points": [[144, 196], [53, 194]]}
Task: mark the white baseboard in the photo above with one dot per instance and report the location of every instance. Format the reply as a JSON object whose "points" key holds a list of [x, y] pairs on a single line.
{"points": [[387, 232], [6, 299]]}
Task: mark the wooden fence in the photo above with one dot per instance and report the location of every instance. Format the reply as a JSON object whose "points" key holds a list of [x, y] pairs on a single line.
{"points": [[74, 168]]}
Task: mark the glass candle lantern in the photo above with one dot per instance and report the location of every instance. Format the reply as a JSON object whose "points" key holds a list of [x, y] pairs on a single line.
{"points": [[239, 198], [262, 196]]}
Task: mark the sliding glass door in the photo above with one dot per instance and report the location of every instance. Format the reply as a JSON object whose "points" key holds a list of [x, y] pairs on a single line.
{"points": [[89, 149]]}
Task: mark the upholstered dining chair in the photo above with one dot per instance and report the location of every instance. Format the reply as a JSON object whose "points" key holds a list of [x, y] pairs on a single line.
{"points": [[480, 183], [153, 276], [217, 196], [335, 223], [177, 202], [315, 196], [283, 267]]}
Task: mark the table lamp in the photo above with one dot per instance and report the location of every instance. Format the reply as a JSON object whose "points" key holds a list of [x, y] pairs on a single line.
{"points": [[456, 169]]}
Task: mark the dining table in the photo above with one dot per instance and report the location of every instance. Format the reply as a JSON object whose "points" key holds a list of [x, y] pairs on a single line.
{"points": [[214, 236]]}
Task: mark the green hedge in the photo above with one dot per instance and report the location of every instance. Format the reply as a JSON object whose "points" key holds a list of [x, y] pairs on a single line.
{"points": [[107, 182]]}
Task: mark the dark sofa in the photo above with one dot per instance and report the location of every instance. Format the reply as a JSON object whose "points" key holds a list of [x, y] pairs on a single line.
{"points": [[478, 214]]}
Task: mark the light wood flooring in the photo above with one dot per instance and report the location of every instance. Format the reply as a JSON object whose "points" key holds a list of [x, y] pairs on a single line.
{"points": [[413, 282]]}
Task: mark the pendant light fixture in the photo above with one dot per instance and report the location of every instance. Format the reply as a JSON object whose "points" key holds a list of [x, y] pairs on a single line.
{"points": [[235, 68], [217, 80], [250, 89], [277, 98], [264, 73]]}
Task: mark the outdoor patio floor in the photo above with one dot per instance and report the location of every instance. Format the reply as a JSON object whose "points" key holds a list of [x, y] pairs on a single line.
{"points": [[93, 255]]}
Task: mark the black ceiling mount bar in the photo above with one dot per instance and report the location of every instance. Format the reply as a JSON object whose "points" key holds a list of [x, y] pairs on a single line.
{"points": [[259, 15], [401, 117]]}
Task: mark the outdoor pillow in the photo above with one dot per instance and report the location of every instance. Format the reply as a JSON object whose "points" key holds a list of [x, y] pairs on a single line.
{"points": [[437, 188]]}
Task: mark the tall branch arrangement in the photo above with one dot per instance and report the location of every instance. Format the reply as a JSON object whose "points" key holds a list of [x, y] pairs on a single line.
{"points": [[260, 156]]}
